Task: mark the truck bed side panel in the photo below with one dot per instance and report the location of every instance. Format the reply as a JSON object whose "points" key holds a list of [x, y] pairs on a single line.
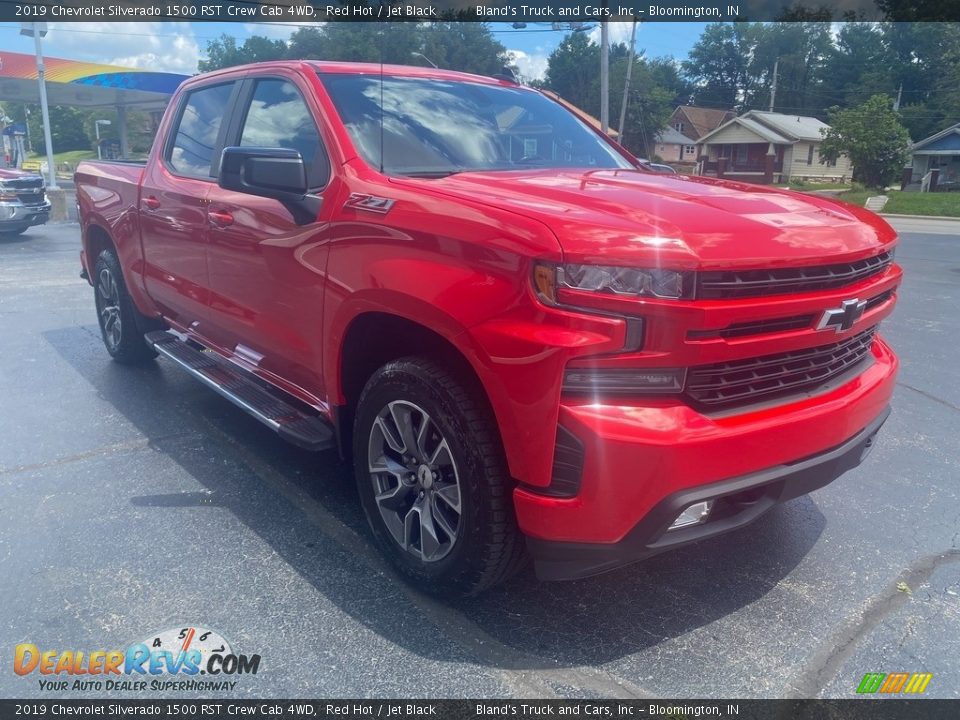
{"points": [[108, 197]]}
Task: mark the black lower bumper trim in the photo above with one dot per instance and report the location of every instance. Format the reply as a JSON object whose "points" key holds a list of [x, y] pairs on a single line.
{"points": [[737, 502]]}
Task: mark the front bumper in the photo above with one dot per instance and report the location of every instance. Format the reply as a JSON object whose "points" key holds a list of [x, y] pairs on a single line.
{"points": [[643, 463], [738, 502], [18, 215]]}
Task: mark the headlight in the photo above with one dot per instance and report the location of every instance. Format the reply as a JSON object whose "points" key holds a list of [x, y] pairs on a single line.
{"points": [[637, 282]]}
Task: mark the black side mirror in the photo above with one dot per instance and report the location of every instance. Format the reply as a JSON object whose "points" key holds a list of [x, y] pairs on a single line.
{"points": [[277, 173]]}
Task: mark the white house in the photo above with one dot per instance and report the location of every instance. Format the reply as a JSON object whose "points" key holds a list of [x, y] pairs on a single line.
{"points": [[766, 147]]}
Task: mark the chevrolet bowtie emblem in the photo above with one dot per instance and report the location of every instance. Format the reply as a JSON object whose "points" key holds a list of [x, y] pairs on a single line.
{"points": [[844, 317]]}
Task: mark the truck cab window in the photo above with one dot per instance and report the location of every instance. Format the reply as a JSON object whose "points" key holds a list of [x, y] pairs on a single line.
{"points": [[191, 151], [278, 117]]}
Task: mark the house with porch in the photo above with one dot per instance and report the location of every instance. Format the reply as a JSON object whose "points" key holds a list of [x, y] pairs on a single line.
{"points": [[940, 151], [677, 143], [768, 147]]}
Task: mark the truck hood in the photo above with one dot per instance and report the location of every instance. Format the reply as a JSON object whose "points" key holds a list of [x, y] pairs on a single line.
{"points": [[648, 219], [11, 174]]}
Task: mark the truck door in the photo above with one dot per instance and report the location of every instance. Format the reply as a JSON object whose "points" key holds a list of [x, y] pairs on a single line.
{"points": [[267, 273], [173, 205]]}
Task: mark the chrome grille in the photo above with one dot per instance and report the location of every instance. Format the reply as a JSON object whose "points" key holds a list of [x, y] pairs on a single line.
{"points": [[28, 183], [746, 381], [29, 190], [731, 284], [30, 198]]}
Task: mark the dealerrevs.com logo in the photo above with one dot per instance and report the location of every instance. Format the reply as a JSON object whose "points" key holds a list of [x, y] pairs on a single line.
{"points": [[167, 661]]}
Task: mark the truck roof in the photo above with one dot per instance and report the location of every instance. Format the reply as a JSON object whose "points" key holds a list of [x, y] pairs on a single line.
{"points": [[360, 68]]}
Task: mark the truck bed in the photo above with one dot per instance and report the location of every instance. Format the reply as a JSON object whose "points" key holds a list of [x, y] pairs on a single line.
{"points": [[108, 197]]}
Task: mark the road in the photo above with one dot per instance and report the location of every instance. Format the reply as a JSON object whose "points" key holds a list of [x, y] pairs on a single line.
{"points": [[134, 501]]}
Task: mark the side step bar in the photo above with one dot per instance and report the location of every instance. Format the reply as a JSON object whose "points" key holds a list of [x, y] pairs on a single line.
{"points": [[242, 388]]}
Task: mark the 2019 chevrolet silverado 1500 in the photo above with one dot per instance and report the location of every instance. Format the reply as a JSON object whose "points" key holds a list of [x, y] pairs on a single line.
{"points": [[528, 344], [23, 202]]}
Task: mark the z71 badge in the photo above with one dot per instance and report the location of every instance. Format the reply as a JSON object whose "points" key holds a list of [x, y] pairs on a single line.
{"points": [[371, 203]]}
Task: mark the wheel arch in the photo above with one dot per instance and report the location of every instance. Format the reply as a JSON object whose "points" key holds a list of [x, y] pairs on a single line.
{"points": [[95, 239], [375, 337]]}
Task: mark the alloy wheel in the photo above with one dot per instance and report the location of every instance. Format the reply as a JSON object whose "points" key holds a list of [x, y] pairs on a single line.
{"points": [[415, 481], [108, 303]]}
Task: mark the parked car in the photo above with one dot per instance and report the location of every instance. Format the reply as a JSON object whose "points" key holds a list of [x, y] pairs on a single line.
{"points": [[23, 201], [527, 343]]}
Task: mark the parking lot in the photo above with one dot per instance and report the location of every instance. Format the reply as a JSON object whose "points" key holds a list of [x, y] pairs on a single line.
{"points": [[134, 501]]}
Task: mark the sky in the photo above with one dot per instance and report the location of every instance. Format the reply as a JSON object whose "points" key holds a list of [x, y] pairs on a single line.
{"points": [[178, 46]]}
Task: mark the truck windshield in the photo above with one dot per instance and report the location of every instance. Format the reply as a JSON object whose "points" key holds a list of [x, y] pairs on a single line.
{"points": [[433, 128]]}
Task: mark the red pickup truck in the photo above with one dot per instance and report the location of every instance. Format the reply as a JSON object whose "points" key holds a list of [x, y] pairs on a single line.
{"points": [[529, 344]]}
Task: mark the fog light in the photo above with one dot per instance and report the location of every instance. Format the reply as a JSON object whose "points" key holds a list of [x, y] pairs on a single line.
{"points": [[693, 515]]}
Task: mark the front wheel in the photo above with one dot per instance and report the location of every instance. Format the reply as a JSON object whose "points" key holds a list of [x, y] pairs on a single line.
{"points": [[121, 325], [433, 480]]}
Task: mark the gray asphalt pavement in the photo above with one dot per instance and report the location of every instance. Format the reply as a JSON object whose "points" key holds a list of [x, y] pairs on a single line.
{"points": [[134, 501]]}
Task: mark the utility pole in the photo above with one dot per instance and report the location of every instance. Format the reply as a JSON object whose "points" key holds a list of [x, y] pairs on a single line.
{"points": [[97, 124], [626, 83], [773, 86], [896, 105], [604, 75], [26, 122], [36, 31]]}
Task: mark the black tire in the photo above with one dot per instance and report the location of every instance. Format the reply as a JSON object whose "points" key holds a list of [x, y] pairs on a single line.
{"points": [[122, 326], [13, 233], [489, 546]]}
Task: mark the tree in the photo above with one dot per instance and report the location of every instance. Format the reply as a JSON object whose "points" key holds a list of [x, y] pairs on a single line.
{"points": [[224, 52], [667, 74], [648, 106], [859, 65], [573, 72], [463, 46], [800, 51], [66, 129], [919, 10], [358, 42], [721, 65], [872, 136]]}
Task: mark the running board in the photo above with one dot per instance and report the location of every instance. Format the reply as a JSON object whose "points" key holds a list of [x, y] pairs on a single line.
{"points": [[245, 390]]}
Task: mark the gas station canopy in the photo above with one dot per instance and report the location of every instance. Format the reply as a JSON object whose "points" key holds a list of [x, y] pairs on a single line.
{"points": [[83, 84]]}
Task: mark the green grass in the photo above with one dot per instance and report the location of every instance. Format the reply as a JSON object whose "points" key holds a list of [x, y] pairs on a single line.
{"points": [[69, 156], [946, 204], [909, 203], [810, 186], [857, 196]]}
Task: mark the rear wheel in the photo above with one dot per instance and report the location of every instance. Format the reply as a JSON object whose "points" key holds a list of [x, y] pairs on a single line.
{"points": [[122, 326], [433, 480]]}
